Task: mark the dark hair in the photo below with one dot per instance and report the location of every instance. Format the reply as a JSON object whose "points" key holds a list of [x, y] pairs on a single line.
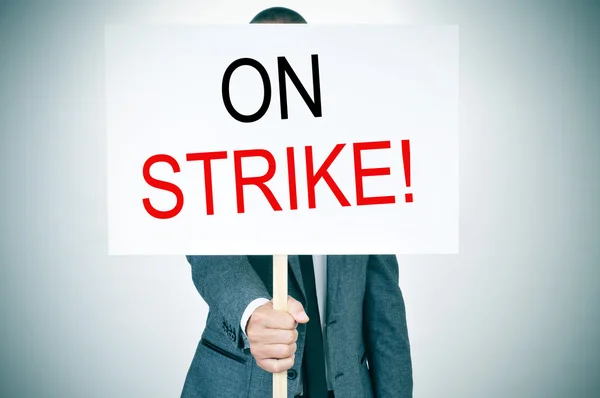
{"points": [[278, 15]]}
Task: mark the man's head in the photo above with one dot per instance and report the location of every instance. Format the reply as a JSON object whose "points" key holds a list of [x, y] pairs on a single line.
{"points": [[277, 15]]}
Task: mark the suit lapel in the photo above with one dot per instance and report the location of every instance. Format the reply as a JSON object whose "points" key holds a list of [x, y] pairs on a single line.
{"points": [[340, 269], [337, 267], [294, 261], [334, 267]]}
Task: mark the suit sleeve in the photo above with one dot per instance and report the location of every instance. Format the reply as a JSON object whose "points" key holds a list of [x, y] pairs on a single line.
{"points": [[386, 331], [227, 284]]}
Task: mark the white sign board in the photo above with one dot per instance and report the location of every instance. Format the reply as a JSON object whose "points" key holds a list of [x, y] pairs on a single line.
{"points": [[282, 139]]}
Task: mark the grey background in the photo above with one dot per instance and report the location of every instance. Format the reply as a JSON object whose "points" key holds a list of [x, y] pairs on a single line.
{"points": [[516, 314]]}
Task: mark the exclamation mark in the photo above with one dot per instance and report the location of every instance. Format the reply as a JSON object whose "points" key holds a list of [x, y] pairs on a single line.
{"points": [[408, 198]]}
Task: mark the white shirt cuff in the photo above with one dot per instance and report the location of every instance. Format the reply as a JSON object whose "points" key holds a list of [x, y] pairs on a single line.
{"points": [[249, 310]]}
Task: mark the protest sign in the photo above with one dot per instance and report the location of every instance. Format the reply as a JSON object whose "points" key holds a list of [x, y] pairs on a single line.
{"points": [[278, 139]]}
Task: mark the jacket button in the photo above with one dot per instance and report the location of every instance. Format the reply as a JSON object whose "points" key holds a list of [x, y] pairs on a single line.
{"points": [[292, 374]]}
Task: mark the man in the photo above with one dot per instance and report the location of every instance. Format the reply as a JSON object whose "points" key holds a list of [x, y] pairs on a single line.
{"points": [[351, 342]]}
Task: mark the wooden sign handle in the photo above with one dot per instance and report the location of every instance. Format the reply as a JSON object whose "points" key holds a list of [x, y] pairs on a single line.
{"points": [[280, 299]]}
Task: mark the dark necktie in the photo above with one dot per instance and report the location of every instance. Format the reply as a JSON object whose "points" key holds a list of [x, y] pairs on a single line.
{"points": [[314, 357]]}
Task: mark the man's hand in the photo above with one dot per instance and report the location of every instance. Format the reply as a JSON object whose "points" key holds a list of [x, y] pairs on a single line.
{"points": [[272, 335]]}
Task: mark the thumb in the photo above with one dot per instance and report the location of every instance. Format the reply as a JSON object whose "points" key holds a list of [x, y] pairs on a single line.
{"points": [[296, 310]]}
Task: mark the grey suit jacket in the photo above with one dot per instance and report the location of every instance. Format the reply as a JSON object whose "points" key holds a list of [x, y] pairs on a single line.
{"points": [[368, 345]]}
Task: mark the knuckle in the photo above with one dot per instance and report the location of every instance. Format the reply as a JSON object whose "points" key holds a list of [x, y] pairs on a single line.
{"points": [[292, 349], [286, 364], [271, 352], [283, 351], [288, 323], [275, 351], [255, 351], [289, 350], [256, 317]]}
